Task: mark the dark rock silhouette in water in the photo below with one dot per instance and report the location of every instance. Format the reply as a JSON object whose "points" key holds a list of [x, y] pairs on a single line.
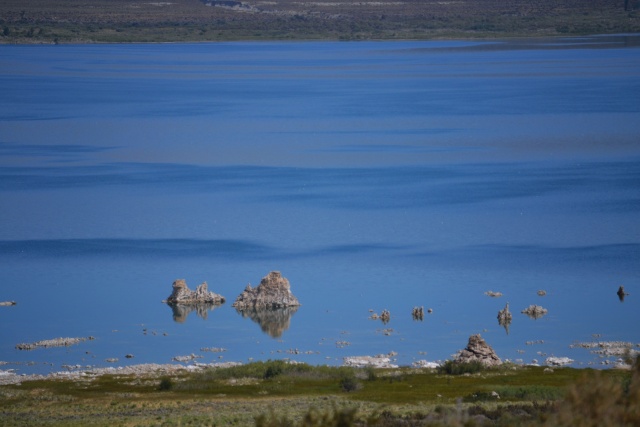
{"points": [[385, 316], [478, 350], [272, 321], [273, 291], [183, 295], [621, 293], [504, 318]]}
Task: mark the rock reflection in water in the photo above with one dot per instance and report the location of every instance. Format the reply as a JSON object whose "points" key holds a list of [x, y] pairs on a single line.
{"points": [[272, 321], [181, 311]]}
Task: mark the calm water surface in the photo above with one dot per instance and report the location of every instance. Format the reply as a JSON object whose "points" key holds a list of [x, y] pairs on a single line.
{"points": [[377, 175]]}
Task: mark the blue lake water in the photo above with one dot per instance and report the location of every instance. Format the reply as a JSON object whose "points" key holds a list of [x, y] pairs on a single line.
{"points": [[374, 175]]}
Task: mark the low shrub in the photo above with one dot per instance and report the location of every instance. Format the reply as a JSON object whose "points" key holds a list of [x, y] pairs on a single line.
{"points": [[349, 383], [166, 384], [344, 417]]}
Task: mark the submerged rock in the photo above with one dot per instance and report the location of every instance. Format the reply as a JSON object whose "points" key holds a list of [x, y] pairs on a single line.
{"points": [[272, 292], [183, 295], [56, 342], [535, 311], [478, 350]]}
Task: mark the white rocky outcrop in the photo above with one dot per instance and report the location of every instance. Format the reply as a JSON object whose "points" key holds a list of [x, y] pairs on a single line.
{"points": [[379, 361]]}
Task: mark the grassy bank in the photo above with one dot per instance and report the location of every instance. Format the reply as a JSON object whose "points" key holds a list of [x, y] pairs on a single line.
{"points": [[277, 393], [115, 21]]}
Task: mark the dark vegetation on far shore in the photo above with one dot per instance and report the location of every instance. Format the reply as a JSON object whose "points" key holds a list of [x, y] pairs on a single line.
{"points": [[278, 393], [115, 21]]}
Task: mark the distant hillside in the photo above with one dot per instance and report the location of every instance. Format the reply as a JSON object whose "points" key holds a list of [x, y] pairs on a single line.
{"points": [[65, 21]]}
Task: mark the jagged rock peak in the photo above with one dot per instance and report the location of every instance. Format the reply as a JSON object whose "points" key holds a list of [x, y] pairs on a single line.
{"points": [[273, 291], [478, 350], [183, 295]]}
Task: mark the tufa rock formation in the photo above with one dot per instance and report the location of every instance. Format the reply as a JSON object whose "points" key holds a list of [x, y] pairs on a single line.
{"points": [[417, 313], [183, 295], [272, 292], [478, 350], [535, 311], [504, 318]]}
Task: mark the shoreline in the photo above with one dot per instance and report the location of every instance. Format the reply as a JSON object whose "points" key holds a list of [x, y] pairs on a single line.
{"points": [[382, 361]]}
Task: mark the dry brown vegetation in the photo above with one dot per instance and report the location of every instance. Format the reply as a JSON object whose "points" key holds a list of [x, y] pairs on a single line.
{"points": [[43, 21]]}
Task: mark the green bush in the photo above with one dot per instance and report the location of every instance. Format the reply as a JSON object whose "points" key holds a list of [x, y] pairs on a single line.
{"points": [[166, 384], [451, 367]]}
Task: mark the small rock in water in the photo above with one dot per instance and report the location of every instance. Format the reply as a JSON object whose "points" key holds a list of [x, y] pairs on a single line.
{"points": [[493, 294], [535, 311], [7, 303], [56, 342], [542, 292], [417, 313], [504, 317]]}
